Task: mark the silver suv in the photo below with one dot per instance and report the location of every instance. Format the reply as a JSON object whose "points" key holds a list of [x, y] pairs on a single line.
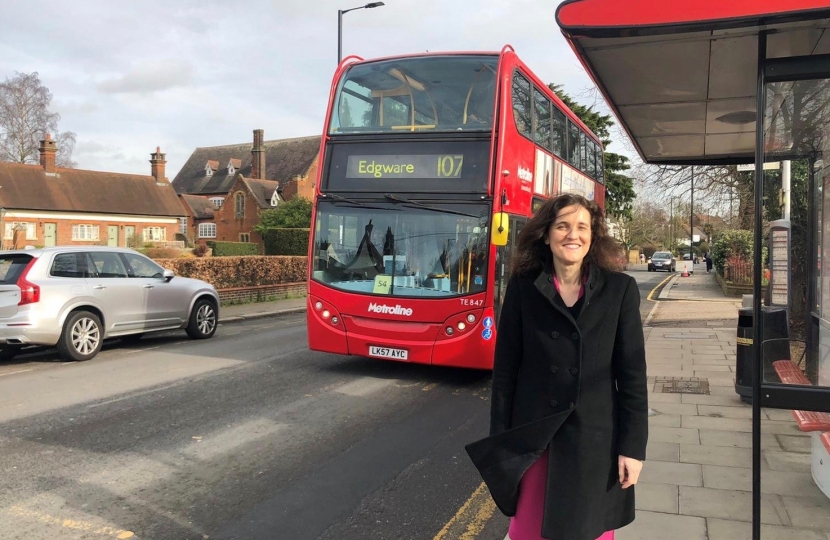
{"points": [[73, 298]]}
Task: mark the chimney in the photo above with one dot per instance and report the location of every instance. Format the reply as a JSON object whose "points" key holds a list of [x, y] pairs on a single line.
{"points": [[157, 165], [258, 156], [48, 148]]}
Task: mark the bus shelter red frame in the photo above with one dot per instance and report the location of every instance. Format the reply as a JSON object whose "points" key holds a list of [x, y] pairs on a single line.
{"points": [[686, 81]]}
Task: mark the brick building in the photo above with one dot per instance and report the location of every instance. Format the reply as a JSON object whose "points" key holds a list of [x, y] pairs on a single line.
{"points": [[240, 180], [45, 205]]}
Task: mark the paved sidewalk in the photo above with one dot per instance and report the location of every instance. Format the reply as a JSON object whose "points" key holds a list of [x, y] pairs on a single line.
{"points": [[697, 481], [255, 310]]}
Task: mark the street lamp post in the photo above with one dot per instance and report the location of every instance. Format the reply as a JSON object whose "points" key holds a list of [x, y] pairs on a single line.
{"points": [[340, 13]]}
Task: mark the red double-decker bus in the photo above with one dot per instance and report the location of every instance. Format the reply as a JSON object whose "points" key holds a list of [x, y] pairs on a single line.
{"points": [[430, 164]]}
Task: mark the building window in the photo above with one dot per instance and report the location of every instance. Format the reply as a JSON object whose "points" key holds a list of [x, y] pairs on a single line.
{"points": [[244, 237], [207, 230], [155, 234], [275, 198], [231, 170], [239, 200], [31, 231], [217, 201], [85, 232], [183, 225]]}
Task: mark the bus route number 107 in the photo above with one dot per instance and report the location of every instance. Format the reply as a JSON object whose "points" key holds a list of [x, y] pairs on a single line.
{"points": [[449, 166]]}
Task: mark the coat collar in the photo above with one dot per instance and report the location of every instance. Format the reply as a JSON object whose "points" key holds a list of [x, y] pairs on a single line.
{"points": [[544, 284]]}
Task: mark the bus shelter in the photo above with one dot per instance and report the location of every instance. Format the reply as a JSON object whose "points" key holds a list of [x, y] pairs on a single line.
{"points": [[714, 82]]}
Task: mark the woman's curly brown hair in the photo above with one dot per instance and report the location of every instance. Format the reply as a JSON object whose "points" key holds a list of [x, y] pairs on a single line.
{"points": [[532, 255]]}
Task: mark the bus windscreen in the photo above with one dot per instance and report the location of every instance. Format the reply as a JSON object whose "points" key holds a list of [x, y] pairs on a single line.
{"points": [[452, 93], [405, 249]]}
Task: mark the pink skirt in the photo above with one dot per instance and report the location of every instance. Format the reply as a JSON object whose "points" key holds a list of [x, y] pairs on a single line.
{"points": [[527, 523]]}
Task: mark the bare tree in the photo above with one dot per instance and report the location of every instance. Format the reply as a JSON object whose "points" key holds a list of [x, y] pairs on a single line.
{"points": [[25, 119]]}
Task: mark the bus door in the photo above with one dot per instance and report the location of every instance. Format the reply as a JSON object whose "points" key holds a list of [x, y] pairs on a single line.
{"points": [[502, 273]]}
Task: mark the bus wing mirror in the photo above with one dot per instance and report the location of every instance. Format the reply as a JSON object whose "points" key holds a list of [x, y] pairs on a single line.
{"points": [[500, 229]]}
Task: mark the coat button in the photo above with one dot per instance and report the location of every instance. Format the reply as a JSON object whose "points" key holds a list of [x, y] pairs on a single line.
{"points": [[575, 336], [554, 334], [571, 405], [574, 370], [554, 369], [553, 403]]}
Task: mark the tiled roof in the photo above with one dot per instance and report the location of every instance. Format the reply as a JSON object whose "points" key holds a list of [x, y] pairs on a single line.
{"points": [[213, 164], [284, 160], [28, 187], [237, 163], [262, 190], [201, 207]]}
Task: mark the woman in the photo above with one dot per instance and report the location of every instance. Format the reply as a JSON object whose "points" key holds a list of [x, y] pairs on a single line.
{"points": [[569, 411]]}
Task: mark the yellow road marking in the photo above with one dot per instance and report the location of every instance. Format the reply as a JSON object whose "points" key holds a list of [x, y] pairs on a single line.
{"points": [[657, 287], [120, 534], [471, 518]]}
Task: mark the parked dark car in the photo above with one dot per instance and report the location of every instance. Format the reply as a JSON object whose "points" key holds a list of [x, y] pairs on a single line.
{"points": [[662, 260]]}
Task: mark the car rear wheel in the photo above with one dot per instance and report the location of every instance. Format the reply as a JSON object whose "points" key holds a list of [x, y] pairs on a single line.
{"points": [[203, 321], [82, 336]]}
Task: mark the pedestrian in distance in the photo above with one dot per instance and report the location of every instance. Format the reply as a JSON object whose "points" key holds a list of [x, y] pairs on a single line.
{"points": [[569, 406], [708, 262]]}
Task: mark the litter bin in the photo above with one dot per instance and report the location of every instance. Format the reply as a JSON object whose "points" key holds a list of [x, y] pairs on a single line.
{"points": [[776, 346]]}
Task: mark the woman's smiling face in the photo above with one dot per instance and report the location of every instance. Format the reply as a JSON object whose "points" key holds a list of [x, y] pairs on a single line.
{"points": [[569, 237]]}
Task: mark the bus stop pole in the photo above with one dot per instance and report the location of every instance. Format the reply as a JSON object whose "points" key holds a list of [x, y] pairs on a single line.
{"points": [[757, 372]]}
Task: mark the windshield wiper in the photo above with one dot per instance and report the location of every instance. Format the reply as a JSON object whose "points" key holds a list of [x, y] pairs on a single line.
{"points": [[341, 198], [399, 199]]}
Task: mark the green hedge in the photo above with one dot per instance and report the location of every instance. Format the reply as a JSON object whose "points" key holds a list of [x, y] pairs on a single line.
{"points": [[233, 249], [734, 243], [286, 241]]}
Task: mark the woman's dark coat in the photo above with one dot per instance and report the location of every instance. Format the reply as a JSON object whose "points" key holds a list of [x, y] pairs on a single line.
{"points": [[577, 386]]}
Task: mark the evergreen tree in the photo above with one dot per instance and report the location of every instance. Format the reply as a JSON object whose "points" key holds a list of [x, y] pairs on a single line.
{"points": [[619, 189]]}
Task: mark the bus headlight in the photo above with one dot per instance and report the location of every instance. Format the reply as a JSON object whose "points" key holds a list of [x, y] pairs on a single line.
{"points": [[461, 326], [334, 320], [471, 318], [449, 330], [326, 314], [318, 305]]}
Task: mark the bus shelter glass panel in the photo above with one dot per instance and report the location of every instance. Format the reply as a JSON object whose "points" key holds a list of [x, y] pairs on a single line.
{"points": [[796, 325]]}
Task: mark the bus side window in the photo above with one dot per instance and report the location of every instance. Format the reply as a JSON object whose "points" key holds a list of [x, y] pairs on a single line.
{"points": [[521, 104], [583, 152], [559, 133], [600, 165], [573, 144], [592, 159], [541, 120]]}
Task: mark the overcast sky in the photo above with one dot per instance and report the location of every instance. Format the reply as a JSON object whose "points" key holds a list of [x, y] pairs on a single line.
{"points": [[131, 75]]}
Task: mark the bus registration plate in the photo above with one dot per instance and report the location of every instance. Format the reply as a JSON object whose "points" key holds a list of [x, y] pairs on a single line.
{"points": [[386, 352]]}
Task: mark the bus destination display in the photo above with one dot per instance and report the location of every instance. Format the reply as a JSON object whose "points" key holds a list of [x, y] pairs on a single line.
{"points": [[423, 166]]}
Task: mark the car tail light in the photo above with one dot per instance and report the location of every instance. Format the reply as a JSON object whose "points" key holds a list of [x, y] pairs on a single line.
{"points": [[29, 292]]}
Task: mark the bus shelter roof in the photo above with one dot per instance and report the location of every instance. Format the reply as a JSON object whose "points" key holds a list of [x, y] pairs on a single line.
{"points": [[681, 76]]}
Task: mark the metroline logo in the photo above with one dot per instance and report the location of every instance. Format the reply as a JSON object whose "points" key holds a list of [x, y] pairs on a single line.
{"points": [[392, 310]]}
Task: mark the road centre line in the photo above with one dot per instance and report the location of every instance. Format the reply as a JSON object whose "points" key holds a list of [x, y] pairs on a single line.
{"points": [[471, 518]]}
